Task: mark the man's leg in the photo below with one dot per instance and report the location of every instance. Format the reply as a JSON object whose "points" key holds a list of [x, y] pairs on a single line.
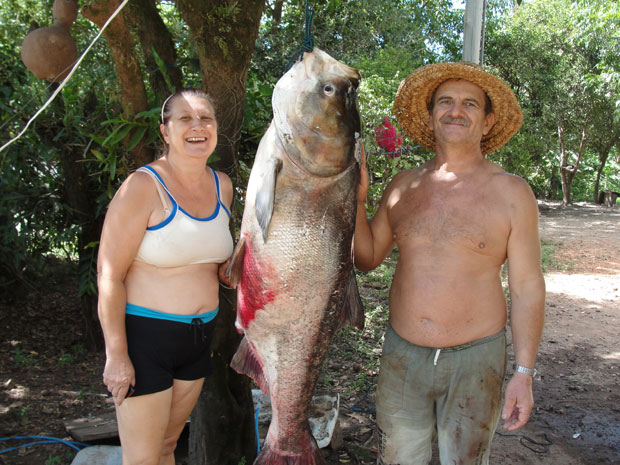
{"points": [[469, 412], [405, 416]]}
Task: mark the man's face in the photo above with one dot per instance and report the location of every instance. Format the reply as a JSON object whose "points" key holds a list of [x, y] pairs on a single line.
{"points": [[458, 116]]}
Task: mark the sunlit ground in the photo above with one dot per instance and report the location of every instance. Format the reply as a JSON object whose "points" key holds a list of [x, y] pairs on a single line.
{"points": [[596, 288]]}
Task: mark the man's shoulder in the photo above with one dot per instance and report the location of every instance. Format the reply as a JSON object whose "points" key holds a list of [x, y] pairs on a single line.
{"points": [[513, 192], [511, 182], [409, 175]]}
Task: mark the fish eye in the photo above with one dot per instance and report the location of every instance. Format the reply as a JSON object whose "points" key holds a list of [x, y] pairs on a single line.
{"points": [[329, 89]]}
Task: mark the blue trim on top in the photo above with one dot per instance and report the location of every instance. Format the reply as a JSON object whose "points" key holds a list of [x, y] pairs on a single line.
{"points": [[217, 189], [175, 205], [209, 218], [137, 310], [168, 219]]}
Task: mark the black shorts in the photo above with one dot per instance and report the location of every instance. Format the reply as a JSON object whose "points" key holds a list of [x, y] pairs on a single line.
{"points": [[163, 350]]}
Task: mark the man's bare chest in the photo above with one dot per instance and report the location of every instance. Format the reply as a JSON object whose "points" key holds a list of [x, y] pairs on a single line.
{"points": [[451, 216]]}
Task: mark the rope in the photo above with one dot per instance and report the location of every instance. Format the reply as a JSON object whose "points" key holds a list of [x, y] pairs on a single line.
{"points": [[65, 80], [44, 440], [307, 44]]}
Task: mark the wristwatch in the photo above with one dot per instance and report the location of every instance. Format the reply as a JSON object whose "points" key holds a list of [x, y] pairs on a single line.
{"points": [[525, 371]]}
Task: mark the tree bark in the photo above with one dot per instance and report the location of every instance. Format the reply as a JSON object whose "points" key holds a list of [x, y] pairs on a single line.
{"points": [[222, 431], [602, 161], [222, 423], [563, 167], [568, 171], [145, 21], [121, 45]]}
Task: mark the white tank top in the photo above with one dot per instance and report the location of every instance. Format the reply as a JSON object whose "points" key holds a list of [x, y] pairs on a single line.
{"points": [[182, 239]]}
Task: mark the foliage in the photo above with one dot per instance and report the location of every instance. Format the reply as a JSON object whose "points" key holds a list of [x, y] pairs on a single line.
{"points": [[563, 60], [39, 220]]}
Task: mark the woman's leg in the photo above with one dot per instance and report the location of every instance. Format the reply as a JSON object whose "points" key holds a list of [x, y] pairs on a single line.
{"points": [[142, 424], [184, 397]]}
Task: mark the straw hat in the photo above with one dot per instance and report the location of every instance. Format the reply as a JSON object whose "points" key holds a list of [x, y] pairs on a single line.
{"points": [[415, 92]]}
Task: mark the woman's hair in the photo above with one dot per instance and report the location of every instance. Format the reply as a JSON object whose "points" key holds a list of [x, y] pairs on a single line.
{"points": [[167, 105]]}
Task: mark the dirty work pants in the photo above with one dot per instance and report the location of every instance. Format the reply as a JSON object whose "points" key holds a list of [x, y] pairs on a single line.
{"points": [[453, 392]]}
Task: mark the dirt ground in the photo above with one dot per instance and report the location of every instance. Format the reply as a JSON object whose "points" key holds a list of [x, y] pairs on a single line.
{"points": [[46, 376]]}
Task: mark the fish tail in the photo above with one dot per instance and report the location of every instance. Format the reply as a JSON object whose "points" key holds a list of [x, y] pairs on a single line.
{"points": [[271, 455]]}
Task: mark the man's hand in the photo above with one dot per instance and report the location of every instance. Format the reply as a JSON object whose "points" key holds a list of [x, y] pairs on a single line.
{"points": [[518, 402], [362, 189]]}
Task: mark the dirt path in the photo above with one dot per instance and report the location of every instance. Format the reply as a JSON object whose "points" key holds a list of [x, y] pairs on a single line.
{"points": [[578, 392]]}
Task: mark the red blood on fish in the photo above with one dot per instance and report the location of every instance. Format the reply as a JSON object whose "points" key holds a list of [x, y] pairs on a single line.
{"points": [[252, 294]]}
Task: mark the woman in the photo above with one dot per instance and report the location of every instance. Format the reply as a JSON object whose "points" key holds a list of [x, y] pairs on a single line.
{"points": [[164, 243]]}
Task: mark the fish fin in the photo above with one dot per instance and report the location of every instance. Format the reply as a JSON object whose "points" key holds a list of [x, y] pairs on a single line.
{"points": [[266, 194], [352, 313], [246, 362], [235, 267], [271, 455]]}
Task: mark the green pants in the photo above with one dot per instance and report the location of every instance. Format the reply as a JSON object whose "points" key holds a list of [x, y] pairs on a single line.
{"points": [[453, 392]]}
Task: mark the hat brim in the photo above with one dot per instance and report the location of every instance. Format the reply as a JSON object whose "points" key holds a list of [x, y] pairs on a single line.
{"points": [[416, 90]]}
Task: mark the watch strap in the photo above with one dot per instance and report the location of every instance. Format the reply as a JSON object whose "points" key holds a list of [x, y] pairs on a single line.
{"points": [[525, 370]]}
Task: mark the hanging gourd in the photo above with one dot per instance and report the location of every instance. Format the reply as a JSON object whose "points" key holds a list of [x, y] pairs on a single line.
{"points": [[49, 52]]}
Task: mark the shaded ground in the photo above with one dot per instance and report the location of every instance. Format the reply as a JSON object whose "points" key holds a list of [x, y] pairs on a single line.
{"points": [[46, 376]]}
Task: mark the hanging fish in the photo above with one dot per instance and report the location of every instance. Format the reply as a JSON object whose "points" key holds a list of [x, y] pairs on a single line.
{"points": [[293, 265]]}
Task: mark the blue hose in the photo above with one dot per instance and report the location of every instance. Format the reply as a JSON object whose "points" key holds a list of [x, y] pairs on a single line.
{"points": [[256, 430], [44, 440]]}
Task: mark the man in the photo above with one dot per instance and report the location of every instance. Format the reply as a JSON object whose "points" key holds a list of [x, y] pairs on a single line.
{"points": [[455, 221]]}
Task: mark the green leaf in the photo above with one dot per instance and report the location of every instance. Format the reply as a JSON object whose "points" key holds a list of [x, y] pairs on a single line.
{"points": [[136, 137]]}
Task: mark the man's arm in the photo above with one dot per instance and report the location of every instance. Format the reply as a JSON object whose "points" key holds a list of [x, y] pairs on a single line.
{"points": [[527, 297], [373, 239]]}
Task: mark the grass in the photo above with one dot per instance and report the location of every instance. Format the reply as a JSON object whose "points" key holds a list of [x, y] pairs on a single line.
{"points": [[24, 359], [549, 260]]}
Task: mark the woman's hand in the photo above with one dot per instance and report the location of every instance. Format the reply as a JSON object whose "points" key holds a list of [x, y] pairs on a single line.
{"points": [[119, 376], [222, 273]]}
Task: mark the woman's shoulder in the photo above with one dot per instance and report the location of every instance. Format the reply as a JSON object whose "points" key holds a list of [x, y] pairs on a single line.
{"points": [[138, 188], [226, 187]]}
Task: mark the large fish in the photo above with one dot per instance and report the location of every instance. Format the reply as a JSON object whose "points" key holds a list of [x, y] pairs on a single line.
{"points": [[293, 265]]}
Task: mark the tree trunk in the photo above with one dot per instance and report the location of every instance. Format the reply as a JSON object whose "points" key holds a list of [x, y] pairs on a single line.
{"points": [[121, 45], [222, 431], [144, 19], [222, 423], [563, 167], [569, 171], [603, 160]]}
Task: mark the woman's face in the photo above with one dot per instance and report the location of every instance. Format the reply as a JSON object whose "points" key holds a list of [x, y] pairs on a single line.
{"points": [[191, 129]]}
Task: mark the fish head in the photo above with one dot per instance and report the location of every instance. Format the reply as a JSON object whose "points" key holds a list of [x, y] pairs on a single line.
{"points": [[316, 115]]}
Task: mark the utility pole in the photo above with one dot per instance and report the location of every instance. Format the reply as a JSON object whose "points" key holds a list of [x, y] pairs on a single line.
{"points": [[473, 37]]}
